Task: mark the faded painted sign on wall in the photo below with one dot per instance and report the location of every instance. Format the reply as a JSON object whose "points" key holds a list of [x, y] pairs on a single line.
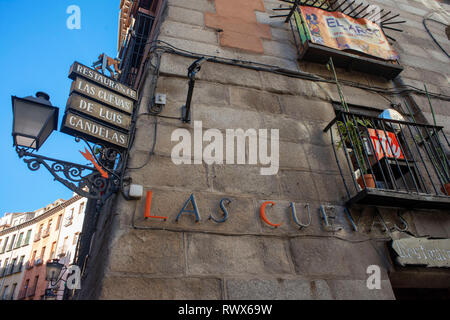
{"points": [[339, 31], [422, 251]]}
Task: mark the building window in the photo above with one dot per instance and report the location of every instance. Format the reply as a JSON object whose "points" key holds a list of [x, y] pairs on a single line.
{"points": [[33, 289], [11, 243], [19, 241], [5, 267], [4, 245], [5, 293], [58, 223], [23, 292], [69, 218], [20, 265], [13, 266], [33, 256], [42, 254], [47, 231], [81, 208], [75, 238], [27, 238], [13, 291], [52, 251]]}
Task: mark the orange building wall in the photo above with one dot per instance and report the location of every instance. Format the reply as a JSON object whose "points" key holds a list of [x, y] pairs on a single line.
{"points": [[44, 240]]}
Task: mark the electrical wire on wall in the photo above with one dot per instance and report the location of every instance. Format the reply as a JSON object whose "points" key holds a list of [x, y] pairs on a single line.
{"points": [[427, 17], [404, 89]]}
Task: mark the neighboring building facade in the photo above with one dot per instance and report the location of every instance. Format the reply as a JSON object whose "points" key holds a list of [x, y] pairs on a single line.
{"points": [[15, 247], [31, 240], [241, 238]]}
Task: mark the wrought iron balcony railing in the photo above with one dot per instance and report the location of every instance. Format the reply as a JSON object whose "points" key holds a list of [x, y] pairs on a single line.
{"points": [[133, 48], [391, 163]]}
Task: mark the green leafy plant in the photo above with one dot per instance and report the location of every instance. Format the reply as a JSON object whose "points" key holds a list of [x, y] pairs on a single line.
{"points": [[349, 129]]}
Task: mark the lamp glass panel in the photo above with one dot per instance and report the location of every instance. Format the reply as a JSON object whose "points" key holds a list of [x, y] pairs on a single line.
{"points": [[53, 271], [25, 142], [29, 120]]}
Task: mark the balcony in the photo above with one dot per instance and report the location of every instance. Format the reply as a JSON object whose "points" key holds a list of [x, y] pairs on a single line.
{"points": [[37, 236], [38, 262], [62, 252], [46, 233], [132, 50], [404, 164], [68, 221], [29, 265]]}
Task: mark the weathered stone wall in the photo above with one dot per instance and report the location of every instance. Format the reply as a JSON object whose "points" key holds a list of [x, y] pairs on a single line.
{"points": [[244, 258]]}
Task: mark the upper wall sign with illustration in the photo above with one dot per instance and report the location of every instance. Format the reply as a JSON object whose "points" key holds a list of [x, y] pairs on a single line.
{"points": [[339, 31]]}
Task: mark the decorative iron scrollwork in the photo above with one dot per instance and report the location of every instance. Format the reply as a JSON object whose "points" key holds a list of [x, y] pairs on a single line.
{"points": [[84, 180]]}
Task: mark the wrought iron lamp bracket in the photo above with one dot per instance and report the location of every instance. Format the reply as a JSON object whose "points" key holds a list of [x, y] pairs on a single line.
{"points": [[84, 180]]}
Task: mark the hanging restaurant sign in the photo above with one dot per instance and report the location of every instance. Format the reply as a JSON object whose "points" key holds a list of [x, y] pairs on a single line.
{"points": [[102, 95], [77, 69], [99, 108], [98, 111], [94, 131], [339, 31], [422, 251]]}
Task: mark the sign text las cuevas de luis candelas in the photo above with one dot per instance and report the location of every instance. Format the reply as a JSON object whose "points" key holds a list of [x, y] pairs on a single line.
{"points": [[99, 108]]}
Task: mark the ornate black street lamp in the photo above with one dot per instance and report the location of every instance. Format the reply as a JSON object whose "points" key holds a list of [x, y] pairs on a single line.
{"points": [[54, 274], [34, 119]]}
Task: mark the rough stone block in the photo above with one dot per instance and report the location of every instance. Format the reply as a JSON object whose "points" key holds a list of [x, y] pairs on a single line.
{"points": [[292, 156], [188, 32], [357, 290], [280, 49], [141, 288], [330, 187], [149, 252], [185, 16], [243, 255], [200, 5], [254, 289], [321, 158], [307, 109], [226, 74], [218, 117], [438, 227], [335, 258], [254, 99], [161, 171], [243, 179], [174, 65], [297, 185], [289, 129]]}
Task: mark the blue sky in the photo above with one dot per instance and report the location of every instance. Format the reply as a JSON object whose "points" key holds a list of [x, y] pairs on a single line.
{"points": [[36, 53]]}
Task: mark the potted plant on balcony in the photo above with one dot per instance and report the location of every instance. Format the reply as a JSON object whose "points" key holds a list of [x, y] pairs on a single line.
{"points": [[350, 133]]}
